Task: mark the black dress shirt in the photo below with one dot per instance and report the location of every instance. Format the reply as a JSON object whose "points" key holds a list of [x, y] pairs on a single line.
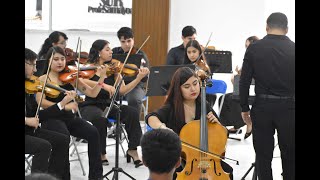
{"points": [[271, 62], [176, 55]]}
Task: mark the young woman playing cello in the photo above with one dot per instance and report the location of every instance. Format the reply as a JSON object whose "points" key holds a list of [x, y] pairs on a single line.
{"points": [[182, 105], [92, 108], [66, 122]]}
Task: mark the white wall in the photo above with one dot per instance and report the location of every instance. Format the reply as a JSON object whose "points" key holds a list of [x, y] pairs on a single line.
{"points": [[231, 21]]}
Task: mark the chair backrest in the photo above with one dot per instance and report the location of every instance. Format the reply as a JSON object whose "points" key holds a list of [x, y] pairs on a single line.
{"points": [[218, 86]]}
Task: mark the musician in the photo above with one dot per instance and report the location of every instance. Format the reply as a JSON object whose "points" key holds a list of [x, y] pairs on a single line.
{"points": [[231, 110], [271, 62], [50, 149], [161, 150], [56, 38], [135, 96], [192, 54], [66, 121], [93, 107], [175, 55], [182, 105]]}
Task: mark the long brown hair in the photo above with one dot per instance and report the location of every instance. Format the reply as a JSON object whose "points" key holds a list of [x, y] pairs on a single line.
{"points": [[175, 97]]}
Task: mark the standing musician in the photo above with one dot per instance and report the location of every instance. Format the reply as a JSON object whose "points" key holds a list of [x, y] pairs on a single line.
{"points": [[66, 121], [135, 96], [56, 38], [50, 149], [271, 62], [93, 107], [182, 105]]}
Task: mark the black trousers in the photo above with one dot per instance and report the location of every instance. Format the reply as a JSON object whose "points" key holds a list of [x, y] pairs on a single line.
{"points": [[267, 116], [135, 96], [82, 129], [129, 116], [231, 112], [49, 145]]}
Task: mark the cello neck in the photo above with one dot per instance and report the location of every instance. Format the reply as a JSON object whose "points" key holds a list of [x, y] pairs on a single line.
{"points": [[203, 119]]}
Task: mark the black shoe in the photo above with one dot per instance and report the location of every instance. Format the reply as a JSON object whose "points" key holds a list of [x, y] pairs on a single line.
{"points": [[234, 131], [247, 134], [105, 162], [112, 136], [137, 163], [83, 141]]}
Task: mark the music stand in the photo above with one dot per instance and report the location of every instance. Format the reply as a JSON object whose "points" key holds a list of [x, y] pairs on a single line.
{"points": [[160, 78], [219, 61], [105, 113]]}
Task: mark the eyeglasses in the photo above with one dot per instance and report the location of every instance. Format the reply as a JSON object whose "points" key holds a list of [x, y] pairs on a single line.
{"points": [[34, 65]]}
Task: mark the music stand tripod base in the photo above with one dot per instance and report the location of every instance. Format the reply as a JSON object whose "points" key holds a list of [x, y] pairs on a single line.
{"points": [[117, 169]]}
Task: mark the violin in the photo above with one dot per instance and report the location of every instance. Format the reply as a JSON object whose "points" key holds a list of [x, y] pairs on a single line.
{"points": [[87, 71], [127, 69], [207, 138], [72, 56], [34, 85]]}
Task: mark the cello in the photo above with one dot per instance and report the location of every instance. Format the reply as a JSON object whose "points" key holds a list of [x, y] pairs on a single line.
{"points": [[203, 153]]}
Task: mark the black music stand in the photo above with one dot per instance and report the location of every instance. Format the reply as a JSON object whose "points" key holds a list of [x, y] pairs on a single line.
{"points": [[219, 61], [106, 112], [160, 78]]}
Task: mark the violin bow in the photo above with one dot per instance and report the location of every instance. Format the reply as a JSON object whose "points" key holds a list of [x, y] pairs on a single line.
{"points": [[143, 44], [205, 48], [44, 85], [107, 109], [207, 153], [78, 66], [125, 61]]}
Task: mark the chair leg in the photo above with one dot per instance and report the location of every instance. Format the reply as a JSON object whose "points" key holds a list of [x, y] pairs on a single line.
{"points": [[73, 139], [29, 162]]}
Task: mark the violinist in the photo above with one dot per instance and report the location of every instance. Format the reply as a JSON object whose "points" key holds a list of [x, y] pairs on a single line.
{"points": [[50, 149], [56, 38], [135, 96], [194, 55], [93, 107], [182, 106], [176, 55], [66, 122]]}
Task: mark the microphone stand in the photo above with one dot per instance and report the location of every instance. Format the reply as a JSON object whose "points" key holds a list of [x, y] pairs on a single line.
{"points": [[105, 114]]}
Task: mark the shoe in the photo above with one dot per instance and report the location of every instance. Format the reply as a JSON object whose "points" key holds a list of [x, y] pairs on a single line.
{"points": [[247, 134], [83, 141], [105, 162], [233, 131], [112, 136], [137, 163]]}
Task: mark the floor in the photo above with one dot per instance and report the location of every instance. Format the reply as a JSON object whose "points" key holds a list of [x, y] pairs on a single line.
{"points": [[239, 150]]}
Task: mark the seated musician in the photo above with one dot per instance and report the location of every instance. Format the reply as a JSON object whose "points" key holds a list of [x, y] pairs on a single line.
{"points": [[182, 106]]}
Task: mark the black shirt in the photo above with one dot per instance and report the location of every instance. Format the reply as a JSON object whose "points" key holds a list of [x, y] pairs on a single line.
{"points": [[176, 55], [102, 100], [127, 80], [271, 62], [166, 115]]}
